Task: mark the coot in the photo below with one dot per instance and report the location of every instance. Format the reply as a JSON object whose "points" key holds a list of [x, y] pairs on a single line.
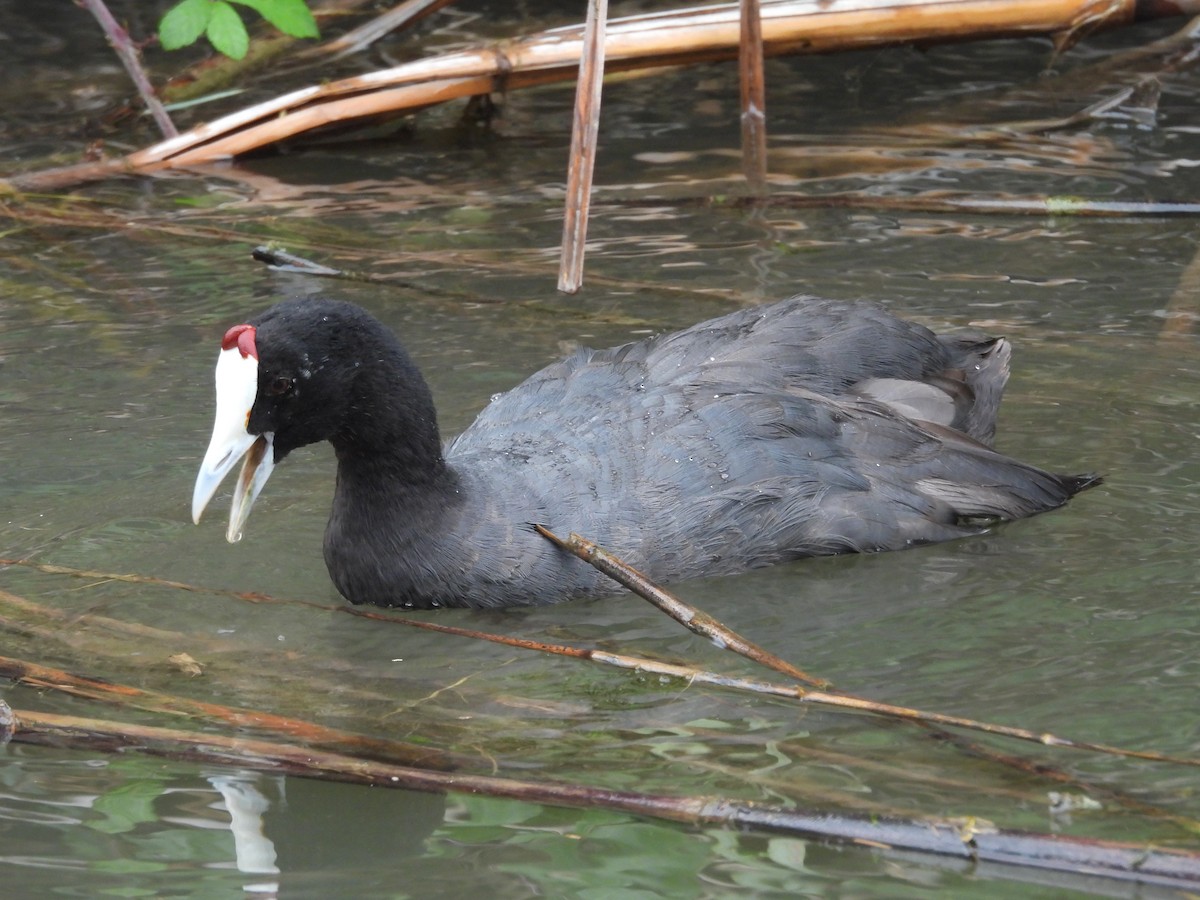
{"points": [[802, 428]]}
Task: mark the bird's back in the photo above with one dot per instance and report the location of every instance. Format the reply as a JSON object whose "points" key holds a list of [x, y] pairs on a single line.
{"points": [[801, 428]]}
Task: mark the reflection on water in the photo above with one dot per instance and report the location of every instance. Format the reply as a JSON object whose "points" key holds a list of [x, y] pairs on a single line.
{"points": [[254, 852], [211, 833]]}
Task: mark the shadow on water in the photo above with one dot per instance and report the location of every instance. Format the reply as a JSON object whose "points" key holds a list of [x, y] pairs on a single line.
{"points": [[1081, 622]]}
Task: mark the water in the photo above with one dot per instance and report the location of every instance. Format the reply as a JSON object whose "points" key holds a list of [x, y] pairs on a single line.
{"points": [[1081, 622]]}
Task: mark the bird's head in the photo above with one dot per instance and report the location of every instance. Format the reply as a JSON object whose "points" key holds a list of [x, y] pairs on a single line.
{"points": [[284, 379]]}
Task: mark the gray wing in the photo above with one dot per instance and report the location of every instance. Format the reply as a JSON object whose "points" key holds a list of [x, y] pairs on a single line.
{"points": [[803, 428]]}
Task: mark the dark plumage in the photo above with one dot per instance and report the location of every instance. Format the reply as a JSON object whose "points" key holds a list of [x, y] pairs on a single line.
{"points": [[802, 428]]}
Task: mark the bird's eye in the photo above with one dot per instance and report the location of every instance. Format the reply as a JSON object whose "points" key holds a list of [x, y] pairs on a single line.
{"points": [[279, 386]]}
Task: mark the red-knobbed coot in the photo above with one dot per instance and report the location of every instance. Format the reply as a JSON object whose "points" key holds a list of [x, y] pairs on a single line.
{"points": [[802, 428]]}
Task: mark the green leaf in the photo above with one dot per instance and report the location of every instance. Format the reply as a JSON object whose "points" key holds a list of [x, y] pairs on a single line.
{"points": [[226, 31], [184, 23], [292, 17]]}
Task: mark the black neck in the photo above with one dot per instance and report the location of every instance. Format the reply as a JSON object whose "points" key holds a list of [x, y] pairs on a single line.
{"points": [[390, 427]]}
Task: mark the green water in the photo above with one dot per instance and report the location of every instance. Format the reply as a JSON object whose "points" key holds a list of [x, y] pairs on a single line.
{"points": [[1082, 622]]}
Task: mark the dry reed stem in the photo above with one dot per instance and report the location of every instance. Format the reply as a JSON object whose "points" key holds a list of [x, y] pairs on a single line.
{"points": [[965, 838], [642, 42], [685, 614], [48, 678], [42, 677], [118, 39], [79, 631], [358, 39], [754, 97], [941, 202], [687, 673], [581, 164]]}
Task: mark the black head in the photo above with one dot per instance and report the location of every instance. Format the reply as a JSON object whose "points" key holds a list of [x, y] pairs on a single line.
{"points": [[311, 354], [310, 370]]}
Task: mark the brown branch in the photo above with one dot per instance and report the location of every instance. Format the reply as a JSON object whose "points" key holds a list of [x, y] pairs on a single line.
{"points": [[754, 97], [83, 633], [687, 673], [42, 677], [684, 613], [936, 202], [966, 838], [582, 162], [643, 42], [358, 39], [1041, 770], [47, 678], [1031, 767], [705, 625], [118, 39]]}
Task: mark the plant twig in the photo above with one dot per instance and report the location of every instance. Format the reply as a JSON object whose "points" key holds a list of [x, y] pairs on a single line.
{"points": [[582, 162], [690, 617], [687, 615], [118, 38], [684, 613], [283, 261], [935, 202], [84, 633], [642, 42], [754, 97], [1042, 770], [794, 692], [965, 838], [45, 677], [358, 39]]}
